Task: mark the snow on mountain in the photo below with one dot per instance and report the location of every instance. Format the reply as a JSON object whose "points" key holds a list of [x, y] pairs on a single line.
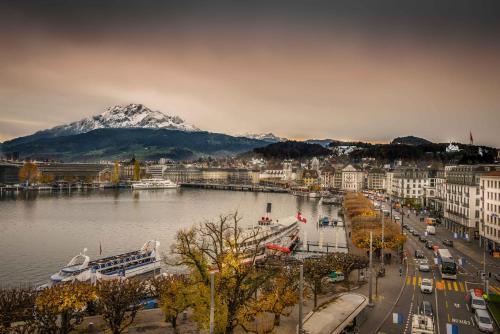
{"points": [[269, 137], [129, 116]]}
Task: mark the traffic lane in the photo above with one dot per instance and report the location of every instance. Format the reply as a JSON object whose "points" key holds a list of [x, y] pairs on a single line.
{"points": [[405, 306], [471, 267], [449, 300], [447, 234]]}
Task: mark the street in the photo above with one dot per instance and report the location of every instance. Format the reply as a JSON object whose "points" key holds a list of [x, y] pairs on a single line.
{"points": [[448, 297]]}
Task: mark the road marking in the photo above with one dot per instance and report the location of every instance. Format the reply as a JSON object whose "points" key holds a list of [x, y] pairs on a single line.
{"points": [[419, 280], [408, 280], [439, 285], [414, 280], [449, 285], [461, 286], [455, 286], [457, 305], [449, 318]]}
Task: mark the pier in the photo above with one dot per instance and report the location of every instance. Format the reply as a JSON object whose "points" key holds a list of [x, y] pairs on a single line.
{"points": [[234, 187]]}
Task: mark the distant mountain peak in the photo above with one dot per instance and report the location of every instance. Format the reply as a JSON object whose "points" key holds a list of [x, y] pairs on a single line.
{"points": [[269, 137], [410, 140], [121, 116]]}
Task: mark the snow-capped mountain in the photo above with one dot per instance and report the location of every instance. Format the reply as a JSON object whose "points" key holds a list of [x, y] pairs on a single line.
{"points": [[269, 137], [129, 116]]}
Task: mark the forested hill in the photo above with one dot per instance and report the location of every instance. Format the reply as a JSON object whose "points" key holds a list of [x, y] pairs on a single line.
{"points": [[291, 150]]}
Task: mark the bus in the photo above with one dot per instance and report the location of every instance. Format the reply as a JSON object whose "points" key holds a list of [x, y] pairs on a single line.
{"points": [[447, 265]]}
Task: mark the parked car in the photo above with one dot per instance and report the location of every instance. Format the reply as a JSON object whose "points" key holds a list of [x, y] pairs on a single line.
{"points": [[419, 254], [475, 299], [405, 226], [426, 285], [339, 278], [426, 308], [421, 238], [415, 233], [448, 242], [483, 321], [411, 230], [429, 245]]}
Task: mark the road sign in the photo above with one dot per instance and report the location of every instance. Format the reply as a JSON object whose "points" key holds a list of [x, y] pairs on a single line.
{"points": [[397, 318], [451, 329]]}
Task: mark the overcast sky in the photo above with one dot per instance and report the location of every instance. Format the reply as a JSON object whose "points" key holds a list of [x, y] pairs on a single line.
{"points": [[369, 70]]}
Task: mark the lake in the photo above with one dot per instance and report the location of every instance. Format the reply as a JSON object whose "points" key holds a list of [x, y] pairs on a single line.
{"points": [[40, 233]]}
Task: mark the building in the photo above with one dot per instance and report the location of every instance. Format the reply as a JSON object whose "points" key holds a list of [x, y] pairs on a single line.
{"points": [[430, 188], [408, 185], [462, 212], [310, 177], [375, 180], [75, 172], [438, 202], [352, 178], [490, 213], [155, 171], [9, 172], [181, 174], [389, 175]]}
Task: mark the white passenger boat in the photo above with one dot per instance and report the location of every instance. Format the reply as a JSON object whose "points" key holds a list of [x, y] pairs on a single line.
{"points": [[155, 184], [279, 235], [81, 268]]}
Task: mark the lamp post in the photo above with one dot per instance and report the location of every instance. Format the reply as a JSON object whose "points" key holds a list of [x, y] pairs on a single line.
{"points": [[212, 301], [370, 283], [383, 230], [301, 299]]}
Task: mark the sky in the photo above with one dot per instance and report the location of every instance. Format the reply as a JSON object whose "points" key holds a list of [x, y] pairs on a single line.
{"points": [[359, 70]]}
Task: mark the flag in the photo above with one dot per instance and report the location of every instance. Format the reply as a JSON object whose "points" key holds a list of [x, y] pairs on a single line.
{"points": [[300, 218], [471, 138], [100, 248], [451, 329], [397, 318]]}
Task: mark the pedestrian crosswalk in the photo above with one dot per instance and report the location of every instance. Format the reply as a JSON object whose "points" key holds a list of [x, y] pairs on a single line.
{"points": [[439, 284]]}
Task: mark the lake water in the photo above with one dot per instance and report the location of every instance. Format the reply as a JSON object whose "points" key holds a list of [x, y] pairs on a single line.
{"points": [[40, 233]]}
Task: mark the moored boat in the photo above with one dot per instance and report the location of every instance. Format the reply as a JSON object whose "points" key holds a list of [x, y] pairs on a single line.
{"points": [[81, 268], [155, 184]]}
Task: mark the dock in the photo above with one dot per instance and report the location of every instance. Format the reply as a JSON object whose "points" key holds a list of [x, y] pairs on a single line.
{"points": [[234, 187]]}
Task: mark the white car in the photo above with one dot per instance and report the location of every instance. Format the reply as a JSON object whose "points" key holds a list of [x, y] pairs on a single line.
{"points": [[426, 285], [424, 267], [483, 321]]}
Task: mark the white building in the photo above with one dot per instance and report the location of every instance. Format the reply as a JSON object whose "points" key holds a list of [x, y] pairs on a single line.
{"points": [[408, 184], [462, 212], [156, 171], [352, 179], [490, 218], [389, 175]]}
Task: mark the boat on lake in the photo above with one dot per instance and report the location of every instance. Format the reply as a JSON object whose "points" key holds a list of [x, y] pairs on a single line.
{"points": [[81, 268], [154, 184]]}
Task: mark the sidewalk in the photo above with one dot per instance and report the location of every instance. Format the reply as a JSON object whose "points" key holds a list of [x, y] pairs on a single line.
{"points": [[389, 289]]}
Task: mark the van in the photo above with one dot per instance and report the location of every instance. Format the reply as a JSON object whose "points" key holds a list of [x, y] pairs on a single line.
{"points": [[430, 230], [475, 299]]}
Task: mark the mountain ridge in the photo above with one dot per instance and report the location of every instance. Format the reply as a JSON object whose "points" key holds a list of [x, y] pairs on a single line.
{"points": [[119, 116]]}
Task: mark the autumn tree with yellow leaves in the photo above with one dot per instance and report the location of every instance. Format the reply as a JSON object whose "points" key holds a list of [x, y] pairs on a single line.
{"points": [[280, 293], [222, 246], [119, 301], [59, 309], [175, 294], [29, 173], [115, 174], [365, 219]]}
